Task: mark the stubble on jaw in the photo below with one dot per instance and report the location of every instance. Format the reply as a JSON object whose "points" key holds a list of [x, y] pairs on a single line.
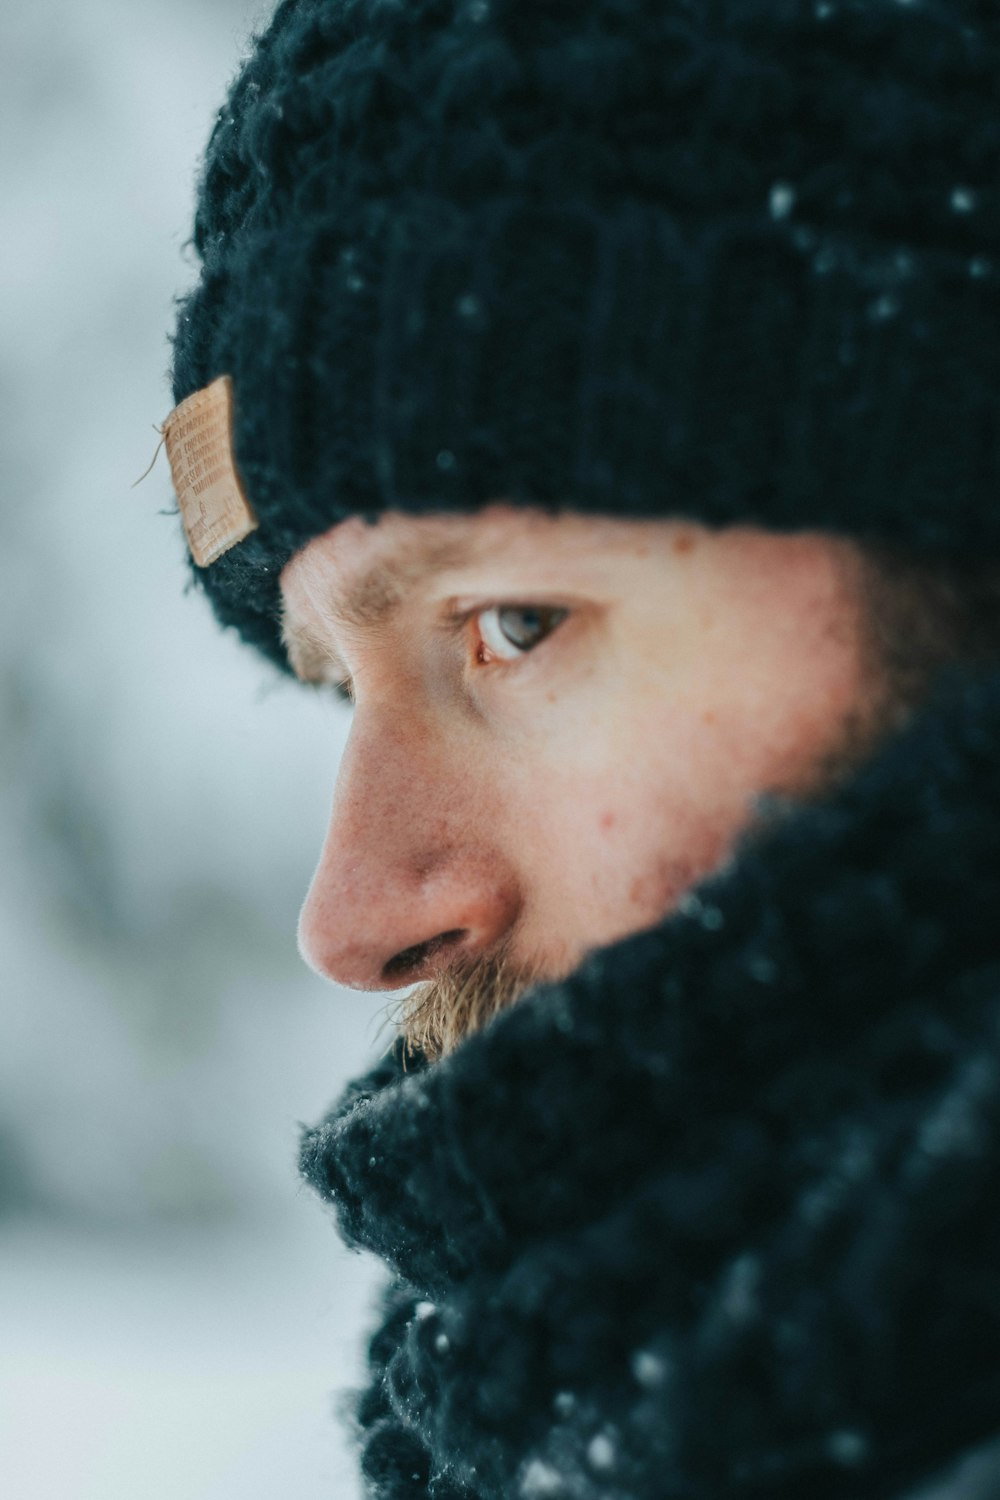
{"points": [[908, 624], [917, 619]]}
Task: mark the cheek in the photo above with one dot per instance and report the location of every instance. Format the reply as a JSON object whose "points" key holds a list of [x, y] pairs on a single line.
{"points": [[648, 857], [626, 815], [660, 883], [614, 854]]}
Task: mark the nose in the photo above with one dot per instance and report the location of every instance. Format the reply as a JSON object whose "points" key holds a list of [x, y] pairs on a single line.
{"points": [[410, 878]]}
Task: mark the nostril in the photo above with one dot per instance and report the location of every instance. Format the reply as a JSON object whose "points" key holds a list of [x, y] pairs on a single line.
{"points": [[412, 958]]}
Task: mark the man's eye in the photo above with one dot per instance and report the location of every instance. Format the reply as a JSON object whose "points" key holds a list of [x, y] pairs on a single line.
{"points": [[510, 630]]}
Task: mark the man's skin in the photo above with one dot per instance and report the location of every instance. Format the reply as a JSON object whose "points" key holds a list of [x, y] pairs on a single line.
{"points": [[543, 783]]}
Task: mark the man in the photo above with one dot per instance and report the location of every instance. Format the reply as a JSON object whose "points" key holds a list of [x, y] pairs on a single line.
{"points": [[602, 399]]}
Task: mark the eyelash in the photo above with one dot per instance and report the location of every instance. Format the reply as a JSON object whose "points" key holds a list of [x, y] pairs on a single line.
{"points": [[466, 618], [459, 624]]}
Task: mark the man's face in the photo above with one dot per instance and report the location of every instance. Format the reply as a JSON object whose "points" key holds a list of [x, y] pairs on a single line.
{"points": [[559, 724]]}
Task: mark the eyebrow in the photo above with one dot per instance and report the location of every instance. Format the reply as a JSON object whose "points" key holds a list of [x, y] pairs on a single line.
{"points": [[369, 601]]}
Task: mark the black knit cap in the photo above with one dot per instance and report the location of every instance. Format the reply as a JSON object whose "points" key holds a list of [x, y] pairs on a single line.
{"points": [[732, 260]]}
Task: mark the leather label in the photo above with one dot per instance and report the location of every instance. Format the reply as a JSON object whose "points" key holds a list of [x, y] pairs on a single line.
{"points": [[214, 509]]}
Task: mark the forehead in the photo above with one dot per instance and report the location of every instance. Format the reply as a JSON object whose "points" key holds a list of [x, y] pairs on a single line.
{"points": [[383, 556], [356, 570]]}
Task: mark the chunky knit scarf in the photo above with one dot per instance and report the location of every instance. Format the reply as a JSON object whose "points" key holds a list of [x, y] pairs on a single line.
{"points": [[719, 1216]]}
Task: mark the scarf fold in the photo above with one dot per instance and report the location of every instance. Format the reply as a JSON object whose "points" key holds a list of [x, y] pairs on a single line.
{"points": [[718, 1215]]}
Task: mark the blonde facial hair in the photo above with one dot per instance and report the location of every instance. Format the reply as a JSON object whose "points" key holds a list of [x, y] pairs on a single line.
{"points": [[442, 1012]]}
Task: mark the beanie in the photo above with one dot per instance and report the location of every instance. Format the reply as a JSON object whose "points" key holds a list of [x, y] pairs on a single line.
{"points": [[726, 260]]}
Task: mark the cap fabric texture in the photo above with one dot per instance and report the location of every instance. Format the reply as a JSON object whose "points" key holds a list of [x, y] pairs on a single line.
{"points": [[732, 260]]}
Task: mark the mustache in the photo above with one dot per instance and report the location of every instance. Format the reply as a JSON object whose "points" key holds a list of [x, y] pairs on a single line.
{"points": [[443, 1011]]}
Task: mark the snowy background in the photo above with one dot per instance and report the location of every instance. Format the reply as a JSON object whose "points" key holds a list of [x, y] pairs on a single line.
{"points": [[177, 1315]]}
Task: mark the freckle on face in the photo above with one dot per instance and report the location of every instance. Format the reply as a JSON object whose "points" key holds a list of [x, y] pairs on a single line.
{"points": [[657, 889], [607, 820]]}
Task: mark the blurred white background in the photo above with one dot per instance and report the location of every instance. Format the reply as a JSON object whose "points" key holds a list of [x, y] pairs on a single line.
{"points": [[177, 1316]]}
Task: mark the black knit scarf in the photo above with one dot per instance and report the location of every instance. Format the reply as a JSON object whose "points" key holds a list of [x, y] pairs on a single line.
{"points": [[719, 1216]]}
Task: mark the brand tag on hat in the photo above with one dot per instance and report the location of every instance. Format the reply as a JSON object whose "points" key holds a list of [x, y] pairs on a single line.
{"points": [[199, 437]]}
